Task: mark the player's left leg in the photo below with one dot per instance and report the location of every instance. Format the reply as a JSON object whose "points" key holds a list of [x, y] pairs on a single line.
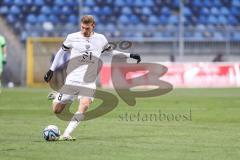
{"points": [[78, 116]]}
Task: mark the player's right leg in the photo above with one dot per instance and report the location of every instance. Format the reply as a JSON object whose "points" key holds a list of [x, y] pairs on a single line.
{"points": [[84, 103]]}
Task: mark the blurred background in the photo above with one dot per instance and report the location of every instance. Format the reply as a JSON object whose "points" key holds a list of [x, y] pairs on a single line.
{"points": [[188, 36]]}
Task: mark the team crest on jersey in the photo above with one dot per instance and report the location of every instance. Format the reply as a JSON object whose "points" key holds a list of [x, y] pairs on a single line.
{"points": [[87, 46]]}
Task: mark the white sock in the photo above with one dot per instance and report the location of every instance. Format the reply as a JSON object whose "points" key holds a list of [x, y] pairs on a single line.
{"points": [[76, 119]]}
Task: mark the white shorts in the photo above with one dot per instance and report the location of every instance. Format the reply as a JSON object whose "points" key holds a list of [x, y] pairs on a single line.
{"points": [[68, 93], [66, 99]]}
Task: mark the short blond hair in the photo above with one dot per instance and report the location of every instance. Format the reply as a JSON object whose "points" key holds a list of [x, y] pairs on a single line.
{"points": [[88, 19]]}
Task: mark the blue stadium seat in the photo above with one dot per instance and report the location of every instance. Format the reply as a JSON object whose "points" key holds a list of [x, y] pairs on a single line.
{"points": [[235, 36], [217, 3], [73, 19], [187, 12], [87, 10], [119, 3], [8, 2], [235, 11], [222, 20], [14, 10], [32, 19], [140, 27], [29, 3], [23, 36], [110, 27], [224, 11], [173, 20], [17, 27], [46, 10], [19, 3], [214, 11], [126, 10], [153, 20], [106, 11], [53, 19], [148, 3], [139, 3], [163, 20], [207, 3], [123, 19], [71, 3], [204, 11], [197, 3], [11, 18], [218, 35], [4, 10], [96, 10], [66, 10], [100, 27], [56, 10], [165, 11], [89, 3], [116, 15], [128, 3], [232, 20], [134, 19], [146, 11], [41, 18], [176, 3], [39, 3], [198, 35], [212, 20], [236, 3]]}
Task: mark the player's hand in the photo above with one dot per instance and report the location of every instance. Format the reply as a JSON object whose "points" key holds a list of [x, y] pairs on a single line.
{"points": [[136, 56], [48, 76]]}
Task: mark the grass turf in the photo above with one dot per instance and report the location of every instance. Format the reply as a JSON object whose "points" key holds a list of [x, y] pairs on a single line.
{"points": [[191, 124]]}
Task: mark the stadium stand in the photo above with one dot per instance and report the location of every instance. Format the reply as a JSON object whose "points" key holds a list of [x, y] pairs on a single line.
{"points": [[205, 19]]}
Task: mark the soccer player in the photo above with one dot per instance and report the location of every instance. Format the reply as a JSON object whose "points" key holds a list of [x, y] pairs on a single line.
{"points": [[88, 44], [3, 55]]}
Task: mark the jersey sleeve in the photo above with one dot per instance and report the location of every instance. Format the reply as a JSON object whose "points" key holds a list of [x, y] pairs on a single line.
{"points": [[67, 44], [106, 46], [105, 41]]}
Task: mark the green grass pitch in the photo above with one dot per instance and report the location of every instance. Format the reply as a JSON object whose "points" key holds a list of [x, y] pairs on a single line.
{"points": [[185, 124]]}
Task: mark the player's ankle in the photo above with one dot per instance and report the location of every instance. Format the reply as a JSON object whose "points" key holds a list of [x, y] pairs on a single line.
{"points": [[66, 135]]}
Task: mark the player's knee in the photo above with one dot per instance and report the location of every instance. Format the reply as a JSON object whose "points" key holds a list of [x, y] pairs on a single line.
{"points": [[86, 103], [56, 111]]}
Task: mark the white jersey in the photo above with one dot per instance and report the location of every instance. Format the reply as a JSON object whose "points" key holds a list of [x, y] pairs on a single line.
{"points": [[89, 49]]}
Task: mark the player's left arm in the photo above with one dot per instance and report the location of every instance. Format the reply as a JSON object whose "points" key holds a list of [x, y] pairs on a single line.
{"points": [[107, 48]]}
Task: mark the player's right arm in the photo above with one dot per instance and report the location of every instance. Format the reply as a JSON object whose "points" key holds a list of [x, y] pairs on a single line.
{"points": [[66, 46]]}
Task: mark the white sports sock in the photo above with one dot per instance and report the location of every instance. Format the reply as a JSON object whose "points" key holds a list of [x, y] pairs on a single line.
{"points": [[76, 119]]}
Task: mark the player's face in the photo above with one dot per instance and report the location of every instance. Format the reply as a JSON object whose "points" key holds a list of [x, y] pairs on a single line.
{"points": [[87, 29]]}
